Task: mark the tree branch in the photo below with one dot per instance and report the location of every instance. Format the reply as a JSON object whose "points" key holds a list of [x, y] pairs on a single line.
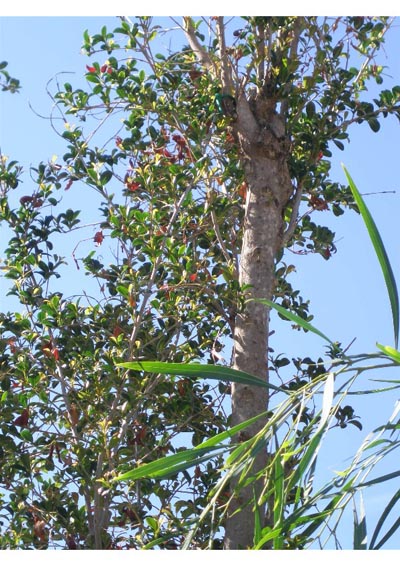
{"points": [[221, 242], [202, 55], [226, 74], [297, 29]]}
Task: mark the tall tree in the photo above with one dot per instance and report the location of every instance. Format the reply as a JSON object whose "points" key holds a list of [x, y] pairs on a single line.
{"points": [[199, 192], [296, 95]]}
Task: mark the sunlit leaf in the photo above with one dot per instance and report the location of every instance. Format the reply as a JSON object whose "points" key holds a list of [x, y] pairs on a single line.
{"points": [[205, 371], [391, 352], [360, 527], [381, 254], [164, 467]]}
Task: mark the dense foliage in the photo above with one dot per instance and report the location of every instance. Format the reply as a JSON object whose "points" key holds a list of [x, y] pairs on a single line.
{"points": [[153, 137]]}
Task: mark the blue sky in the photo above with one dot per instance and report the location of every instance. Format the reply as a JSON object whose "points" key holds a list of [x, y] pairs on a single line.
{"points": [[348, 296]]}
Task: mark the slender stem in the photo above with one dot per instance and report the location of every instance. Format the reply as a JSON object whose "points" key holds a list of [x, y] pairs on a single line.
{"points": [[202, 55], [226, 75]]}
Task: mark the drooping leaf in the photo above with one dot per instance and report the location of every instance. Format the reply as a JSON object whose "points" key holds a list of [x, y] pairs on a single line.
{"points": [[381, 254], [294, 318], [393, 501]]}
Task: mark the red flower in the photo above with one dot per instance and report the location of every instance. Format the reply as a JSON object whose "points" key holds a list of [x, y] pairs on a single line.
{"points": [[50, 351], [327, 253], [132, 186], [193, 277], [106, 69], [98, 237], [179, 140], [26, 199], [162, 230], [23, 419], [242, 191], [117, 331], [91, 69], [318, 203]]}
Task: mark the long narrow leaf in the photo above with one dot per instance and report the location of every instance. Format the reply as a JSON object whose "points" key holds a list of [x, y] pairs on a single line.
{"points": [[306, 460], [168, 465], [294, 318], [389, 534], [278, 498], [327, 400], [258, 519], [381, 254], [391, 352], [317, 519], [205, 371], [269, 535], [383, 517], [314, 446], [379, 480], [360, 527]]}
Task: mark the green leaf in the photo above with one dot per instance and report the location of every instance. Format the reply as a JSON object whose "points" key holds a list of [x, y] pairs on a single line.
{"points": [[169, 465], [381, 254], [267, 536], [205, 371], [26, 435], [339, 144], [294, 318], [92, 78], [360, 528], [314, 445], [106, 176], [391, 352], [381, 520], [374, 124], [310, 109], [278, 498]]}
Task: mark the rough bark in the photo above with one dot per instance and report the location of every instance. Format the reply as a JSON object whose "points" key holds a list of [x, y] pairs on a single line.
{"points": [[261, 135]]}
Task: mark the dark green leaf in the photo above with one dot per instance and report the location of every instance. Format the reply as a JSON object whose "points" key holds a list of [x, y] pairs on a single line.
{"points": [[374, 124]]}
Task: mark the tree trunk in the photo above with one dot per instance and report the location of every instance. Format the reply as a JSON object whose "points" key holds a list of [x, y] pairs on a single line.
{"points": [[261, 135]]}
